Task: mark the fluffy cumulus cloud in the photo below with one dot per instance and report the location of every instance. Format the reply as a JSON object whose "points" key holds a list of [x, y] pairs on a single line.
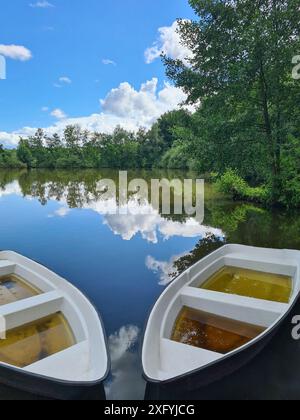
{"points": [[15, 52], [170, 44], [125, 106], [143, 106]]}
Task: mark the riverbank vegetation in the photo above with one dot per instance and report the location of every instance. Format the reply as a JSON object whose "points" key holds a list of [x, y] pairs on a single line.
{"points": [[9, 159], [231, 183], [246, 124]]}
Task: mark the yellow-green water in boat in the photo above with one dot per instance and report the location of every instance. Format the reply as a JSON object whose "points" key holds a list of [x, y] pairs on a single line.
{"points": [[13, 288], [249, 283], [212, 332], [33, 342]]}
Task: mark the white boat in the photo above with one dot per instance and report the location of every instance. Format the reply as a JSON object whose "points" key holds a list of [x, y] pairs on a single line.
{"points": [[173, 360], [55, 344]]}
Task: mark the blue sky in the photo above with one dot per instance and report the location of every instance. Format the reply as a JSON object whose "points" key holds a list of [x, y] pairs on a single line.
{"points": [[76, 53]]}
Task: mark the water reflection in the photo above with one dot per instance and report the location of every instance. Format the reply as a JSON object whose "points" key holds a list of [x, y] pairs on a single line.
{"points": [[169, 270], [165, 270], [61, 212], [125, 382], [123, 263], [82, 193]]}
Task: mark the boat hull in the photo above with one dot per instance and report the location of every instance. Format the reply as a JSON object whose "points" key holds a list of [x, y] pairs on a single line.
{"points": [[50, 389], [184, 385]]}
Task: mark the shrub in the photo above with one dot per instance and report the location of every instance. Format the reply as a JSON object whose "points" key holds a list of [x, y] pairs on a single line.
{"points": [[231, 183], [9, 159]]}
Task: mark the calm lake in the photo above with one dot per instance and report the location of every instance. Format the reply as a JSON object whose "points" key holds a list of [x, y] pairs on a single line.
{"points": [[123, 263]]}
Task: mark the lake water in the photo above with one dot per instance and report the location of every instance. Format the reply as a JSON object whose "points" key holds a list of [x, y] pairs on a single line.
{"points": [[123, 263]]}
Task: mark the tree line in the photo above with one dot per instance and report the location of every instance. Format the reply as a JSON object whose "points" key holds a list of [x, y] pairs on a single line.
{"points": [[77, 148]]}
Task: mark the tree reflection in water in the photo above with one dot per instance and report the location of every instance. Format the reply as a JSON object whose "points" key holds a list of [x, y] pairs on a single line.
{"points": [[238, 222]]}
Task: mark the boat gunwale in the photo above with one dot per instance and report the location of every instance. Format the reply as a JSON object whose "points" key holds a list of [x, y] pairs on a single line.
{"points": [[67, 383], [268, 333]]}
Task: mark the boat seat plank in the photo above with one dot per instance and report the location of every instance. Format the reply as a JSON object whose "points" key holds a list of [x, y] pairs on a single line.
{"points": [[260, 304], [72, 363], [28, 310], [177, 359], [6, 267], [262, 263], [243, 309]]}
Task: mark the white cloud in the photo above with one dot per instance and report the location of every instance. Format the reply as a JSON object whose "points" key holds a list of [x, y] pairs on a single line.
{"points": [[143, 219], [13, 188], [125, 365], [45, 109], [170, 44], [165, 269], [43, 4], [62, 212], [59, 114], [9, 139], [15, 52], [108, 62], [125, 106], [65, 79], [142, 106], [122, 341]]}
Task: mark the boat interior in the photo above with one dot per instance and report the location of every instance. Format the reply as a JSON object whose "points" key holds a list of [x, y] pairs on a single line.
{"points": [[219, 306], [46, 324]]}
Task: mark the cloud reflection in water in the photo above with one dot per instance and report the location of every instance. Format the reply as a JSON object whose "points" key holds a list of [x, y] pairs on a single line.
{"points": [[126, 381], [166, 270], [142, 219]]}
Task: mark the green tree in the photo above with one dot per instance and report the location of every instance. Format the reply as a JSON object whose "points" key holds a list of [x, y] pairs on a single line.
{"points": [[168, 122], [72, 136], [241, 61], [24, 153], [54, 142], [37, 148]]}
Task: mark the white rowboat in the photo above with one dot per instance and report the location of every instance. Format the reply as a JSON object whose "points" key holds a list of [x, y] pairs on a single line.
{"points": [[55, 343], [167, 362]]}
